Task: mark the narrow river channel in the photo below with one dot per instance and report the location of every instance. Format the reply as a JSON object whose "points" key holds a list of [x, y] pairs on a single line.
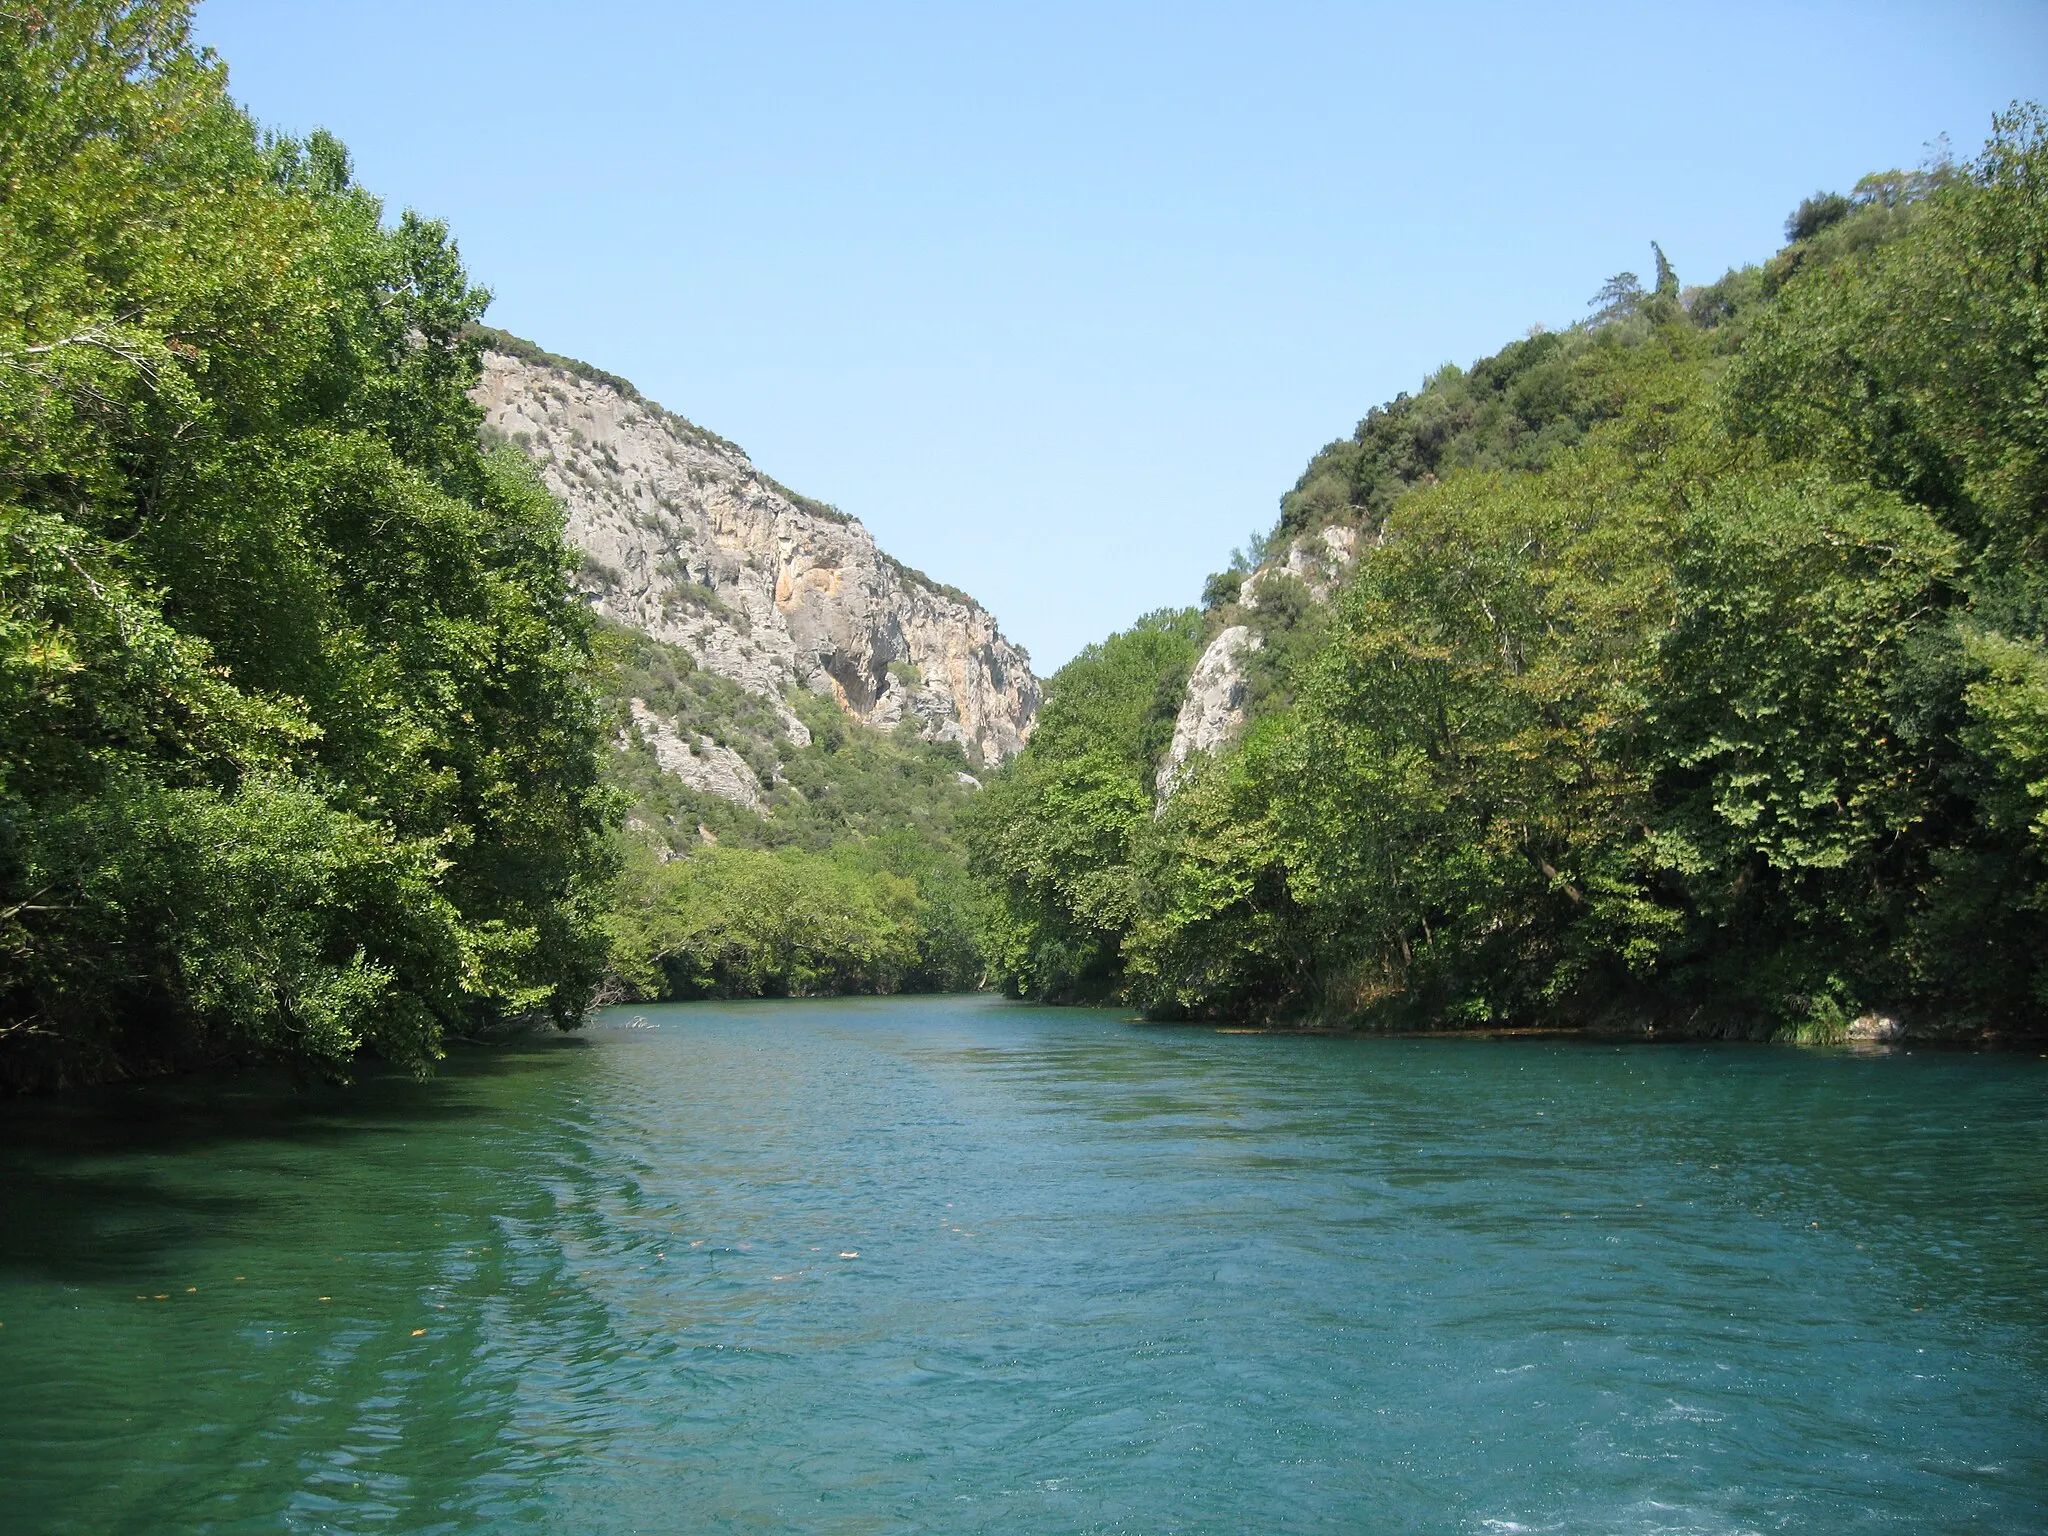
{"points": [[952, 1265]]}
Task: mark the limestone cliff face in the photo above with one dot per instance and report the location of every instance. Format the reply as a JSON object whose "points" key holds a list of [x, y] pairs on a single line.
{"points": [[1316, 562], [684, 539], [702, 764], [1212, 710]]}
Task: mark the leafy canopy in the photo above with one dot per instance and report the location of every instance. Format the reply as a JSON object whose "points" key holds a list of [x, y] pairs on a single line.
{"points": [[297, 741], [1693, 673]]}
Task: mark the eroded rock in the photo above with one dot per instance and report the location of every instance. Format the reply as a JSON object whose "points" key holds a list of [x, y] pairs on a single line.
{"points": [[702, 764], [1212, 709], [684, 539]]}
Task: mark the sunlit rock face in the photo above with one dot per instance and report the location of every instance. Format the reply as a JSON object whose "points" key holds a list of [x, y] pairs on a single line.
{"points": [[1317, 562], [684, 539], [701, 763], [1213, 708]]}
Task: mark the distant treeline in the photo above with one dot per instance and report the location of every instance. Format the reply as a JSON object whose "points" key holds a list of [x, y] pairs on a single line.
{"points": [[1693, 672]]}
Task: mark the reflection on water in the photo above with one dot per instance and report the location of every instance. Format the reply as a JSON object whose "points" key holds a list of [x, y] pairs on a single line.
{"points": [[950, 1265]]}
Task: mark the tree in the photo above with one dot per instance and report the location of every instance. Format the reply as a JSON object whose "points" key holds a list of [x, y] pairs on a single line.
{"points": [[1815, 214], [1056, 838], [297, 739], [1619, 298]]}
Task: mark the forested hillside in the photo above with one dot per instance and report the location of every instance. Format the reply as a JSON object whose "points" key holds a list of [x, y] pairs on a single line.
{"points": [[755, 866], [1686, 669], [298, 742], [1683, 670]]}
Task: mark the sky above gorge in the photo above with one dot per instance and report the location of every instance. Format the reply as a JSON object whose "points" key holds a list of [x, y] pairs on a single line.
{"points": [[1060, 298]]}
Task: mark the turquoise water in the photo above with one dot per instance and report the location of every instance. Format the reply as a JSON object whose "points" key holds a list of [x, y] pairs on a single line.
{"points": [[950, 1265]]}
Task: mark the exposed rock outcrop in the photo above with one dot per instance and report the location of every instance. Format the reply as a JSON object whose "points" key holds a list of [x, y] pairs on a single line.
{"points": [[684, 539], [1316, 562], [703, 764], [1212, 710], [1875, 1029]]}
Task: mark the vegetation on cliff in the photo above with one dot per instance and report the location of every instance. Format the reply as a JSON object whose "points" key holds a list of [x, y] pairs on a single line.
{"points": [[1686, 666], [297, 739], [1694, 670], [849, 877]]}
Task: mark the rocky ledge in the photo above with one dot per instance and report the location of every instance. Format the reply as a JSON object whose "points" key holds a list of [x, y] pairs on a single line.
{"points": [[684, 539], [1212, 708]]}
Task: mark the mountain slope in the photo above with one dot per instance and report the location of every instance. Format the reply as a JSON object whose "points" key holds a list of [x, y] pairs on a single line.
{"points": [[792, 714], [684, 540], [1685, 671]]}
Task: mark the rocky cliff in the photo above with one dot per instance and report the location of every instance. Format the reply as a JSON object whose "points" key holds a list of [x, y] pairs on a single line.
{"points": [[1213, 707], [685, 540]]}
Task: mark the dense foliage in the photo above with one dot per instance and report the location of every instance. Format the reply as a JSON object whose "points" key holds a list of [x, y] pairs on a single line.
{"points": [[1058, 835], [297, 743], [849, 878], [1693, 673], [1690, 670]]}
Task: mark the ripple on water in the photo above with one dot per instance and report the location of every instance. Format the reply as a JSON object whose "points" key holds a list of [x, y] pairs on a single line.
{"points": [[952, 1265]]}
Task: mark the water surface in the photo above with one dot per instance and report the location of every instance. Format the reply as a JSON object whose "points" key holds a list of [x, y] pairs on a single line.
{"points": [[949, 1265]]}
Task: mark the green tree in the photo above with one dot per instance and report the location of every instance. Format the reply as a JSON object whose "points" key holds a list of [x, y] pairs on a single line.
{"points": [[749, 922], [297, 741], [1055, 838]]}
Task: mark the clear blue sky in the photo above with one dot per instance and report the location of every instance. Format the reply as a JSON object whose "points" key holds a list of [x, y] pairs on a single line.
{"points": [[1059, 298]]}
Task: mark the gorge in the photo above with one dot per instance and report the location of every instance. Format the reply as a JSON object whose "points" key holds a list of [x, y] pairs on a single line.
{"points": [[548, 982]]}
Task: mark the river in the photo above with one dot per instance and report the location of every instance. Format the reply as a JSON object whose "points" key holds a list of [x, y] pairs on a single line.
{"points": [[953, 1265]]}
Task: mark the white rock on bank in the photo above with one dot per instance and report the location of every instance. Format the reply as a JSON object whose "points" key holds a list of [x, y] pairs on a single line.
{"points": [[1212, 709]]}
